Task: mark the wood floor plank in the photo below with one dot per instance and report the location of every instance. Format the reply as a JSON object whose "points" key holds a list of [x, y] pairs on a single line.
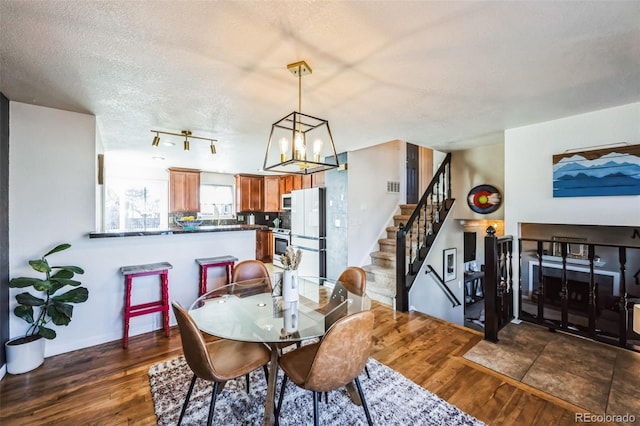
{"points": [[107, 385]]}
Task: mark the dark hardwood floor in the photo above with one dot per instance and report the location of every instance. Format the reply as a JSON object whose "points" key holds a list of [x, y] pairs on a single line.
{"points": [[107, 385]]}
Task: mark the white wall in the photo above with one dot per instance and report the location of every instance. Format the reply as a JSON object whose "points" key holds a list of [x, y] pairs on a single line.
{"points": [[425, 295], [472, 167], [528, 170], [370, 206], [52, 174]]}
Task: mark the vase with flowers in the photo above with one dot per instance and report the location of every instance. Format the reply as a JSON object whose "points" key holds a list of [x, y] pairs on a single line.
{"points": [[290, 262]]}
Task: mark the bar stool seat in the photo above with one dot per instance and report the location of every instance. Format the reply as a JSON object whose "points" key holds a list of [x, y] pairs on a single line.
{"points": [[162, 305], [228, 262]]}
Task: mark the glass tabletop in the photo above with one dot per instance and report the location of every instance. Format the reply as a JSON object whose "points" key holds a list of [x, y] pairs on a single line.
{"points": [[248, 311]]}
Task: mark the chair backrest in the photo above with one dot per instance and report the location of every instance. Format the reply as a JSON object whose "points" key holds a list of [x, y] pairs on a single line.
{"points": [[342, 354], [249, 269], [193, 345], [354, 279]]}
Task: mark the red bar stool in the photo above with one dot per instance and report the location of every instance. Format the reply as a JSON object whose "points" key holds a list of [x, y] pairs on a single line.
{"points": [[205, 263], [130, 272]]}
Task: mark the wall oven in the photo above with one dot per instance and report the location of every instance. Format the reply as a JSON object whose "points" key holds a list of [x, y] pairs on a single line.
{"points": [[281, 239]]}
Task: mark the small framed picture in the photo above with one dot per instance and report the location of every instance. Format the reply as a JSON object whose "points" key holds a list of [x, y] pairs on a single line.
{"points": [[450, 262]]}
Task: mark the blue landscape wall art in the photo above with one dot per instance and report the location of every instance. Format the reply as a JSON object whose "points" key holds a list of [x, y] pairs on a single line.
{"points": [[600, 172]]}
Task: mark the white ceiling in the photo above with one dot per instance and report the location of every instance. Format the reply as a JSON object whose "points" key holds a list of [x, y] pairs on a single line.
{"points": [[448, 75]]}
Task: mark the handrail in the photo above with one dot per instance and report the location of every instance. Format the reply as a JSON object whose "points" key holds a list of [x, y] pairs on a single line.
{"points": [[445, 288], [412, 245]]}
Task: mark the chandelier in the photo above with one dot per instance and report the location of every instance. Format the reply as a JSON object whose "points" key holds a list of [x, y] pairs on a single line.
{"points": [[300, 143]]}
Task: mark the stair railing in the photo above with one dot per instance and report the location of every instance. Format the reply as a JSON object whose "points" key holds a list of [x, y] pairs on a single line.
{"points": [[414, 239], [498, 283], [445, 288]]}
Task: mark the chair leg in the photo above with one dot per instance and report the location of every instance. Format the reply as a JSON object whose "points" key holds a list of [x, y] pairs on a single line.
{"points": [[247, 377], [364, 402], [213, 403], [315, 408], [366, 370], [186, 401], [279, 406], [266, 373]]}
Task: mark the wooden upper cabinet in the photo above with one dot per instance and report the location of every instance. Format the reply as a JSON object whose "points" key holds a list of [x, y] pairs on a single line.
{"points": [[271, 194], [249, 190], [286, 184], [297, 182], [184, 190], [317, 179], [306, 181]]}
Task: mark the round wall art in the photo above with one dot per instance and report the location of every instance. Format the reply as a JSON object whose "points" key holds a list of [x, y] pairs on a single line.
{"points": [[484, 199]]}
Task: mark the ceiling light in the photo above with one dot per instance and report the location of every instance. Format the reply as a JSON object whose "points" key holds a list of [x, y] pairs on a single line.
{"points": [[288, 150], [186, 144]]}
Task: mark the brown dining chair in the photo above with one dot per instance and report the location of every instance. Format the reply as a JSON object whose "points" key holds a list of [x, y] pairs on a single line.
{"points": [[250, 269], [335, 361], [218, 361], [354, 279]]}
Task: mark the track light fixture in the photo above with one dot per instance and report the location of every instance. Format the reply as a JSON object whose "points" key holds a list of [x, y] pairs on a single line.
{"points": [[187, 135]]}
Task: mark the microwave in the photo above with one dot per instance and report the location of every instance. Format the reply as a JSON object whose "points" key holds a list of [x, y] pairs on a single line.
{"points": [[286, 202]]}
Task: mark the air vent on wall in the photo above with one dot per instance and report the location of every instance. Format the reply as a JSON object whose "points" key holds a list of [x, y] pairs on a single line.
{"points": [[393, 186]]}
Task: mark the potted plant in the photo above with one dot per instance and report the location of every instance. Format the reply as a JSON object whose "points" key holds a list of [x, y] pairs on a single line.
{"points": [[27, 352]]}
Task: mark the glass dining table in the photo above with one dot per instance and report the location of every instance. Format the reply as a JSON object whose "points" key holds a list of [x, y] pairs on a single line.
{"points": [[248, 311]]}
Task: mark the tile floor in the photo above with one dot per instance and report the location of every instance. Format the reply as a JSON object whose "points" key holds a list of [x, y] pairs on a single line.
{"points": [[600, 378]]}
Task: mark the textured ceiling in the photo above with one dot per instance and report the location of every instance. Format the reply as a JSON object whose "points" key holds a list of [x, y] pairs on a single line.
{"points": [[448, 75]]}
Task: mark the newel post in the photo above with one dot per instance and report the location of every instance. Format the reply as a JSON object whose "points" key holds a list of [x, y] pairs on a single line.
{"points": [[491, 285]]}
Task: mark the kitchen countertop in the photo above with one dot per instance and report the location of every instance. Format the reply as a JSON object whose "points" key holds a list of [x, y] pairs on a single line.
{"points": [[172, 231]]}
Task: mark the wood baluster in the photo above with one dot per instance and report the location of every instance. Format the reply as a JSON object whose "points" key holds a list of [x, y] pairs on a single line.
{"points": [[624, 311], [541, 291], [592, 293]]}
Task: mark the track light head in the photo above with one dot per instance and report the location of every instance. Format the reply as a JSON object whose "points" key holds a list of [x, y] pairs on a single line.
{"points": [[156, 140], [213, 148], [186, 144]]}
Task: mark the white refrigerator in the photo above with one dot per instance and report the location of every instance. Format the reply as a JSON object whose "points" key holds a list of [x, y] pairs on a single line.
{"points": [[308, 230]]}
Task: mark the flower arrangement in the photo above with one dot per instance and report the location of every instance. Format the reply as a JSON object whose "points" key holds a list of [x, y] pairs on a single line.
{"points": [[291, 258]]}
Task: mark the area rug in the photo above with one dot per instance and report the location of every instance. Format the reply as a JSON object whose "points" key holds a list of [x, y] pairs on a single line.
{"points": [[392, 400]]}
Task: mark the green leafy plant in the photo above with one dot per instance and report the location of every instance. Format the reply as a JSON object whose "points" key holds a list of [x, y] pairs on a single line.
{"points": [[51, 307]]}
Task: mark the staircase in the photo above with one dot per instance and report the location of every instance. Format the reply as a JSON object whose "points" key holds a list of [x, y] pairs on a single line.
{"points": [[393, 269], [381, 273]]}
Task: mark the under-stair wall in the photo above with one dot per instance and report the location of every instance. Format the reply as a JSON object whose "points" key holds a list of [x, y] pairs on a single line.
{"points": [[425, 295]]}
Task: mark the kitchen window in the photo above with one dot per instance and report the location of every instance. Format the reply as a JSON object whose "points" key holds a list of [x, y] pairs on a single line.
{"points": [[135, 204], [216, 201]]}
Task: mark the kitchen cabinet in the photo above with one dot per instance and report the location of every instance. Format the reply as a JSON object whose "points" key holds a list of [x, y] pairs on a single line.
{"points": [[306, 181], [264, 245], [317, 179], [271, 194], [249, 193], [286, 184], [184, 190]]}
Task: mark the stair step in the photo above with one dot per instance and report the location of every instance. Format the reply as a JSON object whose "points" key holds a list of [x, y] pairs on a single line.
{"points": [[381, 283], [383, 258]]}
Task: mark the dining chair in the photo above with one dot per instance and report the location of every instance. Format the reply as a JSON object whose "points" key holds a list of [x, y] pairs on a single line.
{"points": [[250, 269], [335, 361], [217, 361], [354, 279]]}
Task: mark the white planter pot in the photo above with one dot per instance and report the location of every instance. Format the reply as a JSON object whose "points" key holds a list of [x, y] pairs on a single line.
{"points": [[290, 290], [24, 357]]}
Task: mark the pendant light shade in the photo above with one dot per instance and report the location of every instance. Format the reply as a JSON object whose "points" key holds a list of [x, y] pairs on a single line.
{"points": [[300, 143]]}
